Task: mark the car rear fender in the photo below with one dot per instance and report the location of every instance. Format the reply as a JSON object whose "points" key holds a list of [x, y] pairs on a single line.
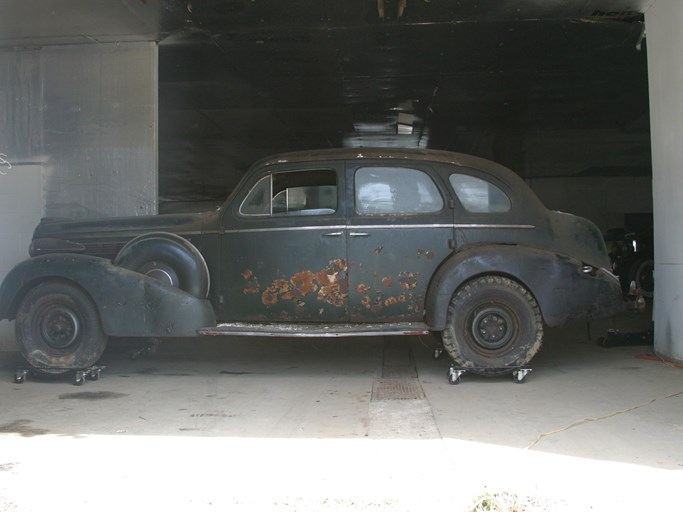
{"points": [[564, 288], [129, 303]]}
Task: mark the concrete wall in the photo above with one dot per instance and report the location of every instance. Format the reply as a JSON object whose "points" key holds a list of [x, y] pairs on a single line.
{"points": [[78, 138], [21, 207], [99, 129], [665, 61], [21, 204]]}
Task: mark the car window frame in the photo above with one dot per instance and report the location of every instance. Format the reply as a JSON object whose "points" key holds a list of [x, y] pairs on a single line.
{"points": [[487, 178], [508, 189], [444, 192], [231, 219], [269, 172]]}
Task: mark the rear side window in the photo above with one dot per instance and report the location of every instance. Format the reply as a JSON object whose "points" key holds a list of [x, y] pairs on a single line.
{"points": [[395, 190], [479, 196]]}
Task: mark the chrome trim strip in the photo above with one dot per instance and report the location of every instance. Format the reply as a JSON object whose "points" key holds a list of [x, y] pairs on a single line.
{"points": [[383, 226], [398, 226], [493, 226], [450, 226], [297, 228], [125, 234]]}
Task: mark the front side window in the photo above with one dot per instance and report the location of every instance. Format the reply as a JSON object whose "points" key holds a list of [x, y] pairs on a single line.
{"points": [[479, 196], [395, 190], [310, 192]]}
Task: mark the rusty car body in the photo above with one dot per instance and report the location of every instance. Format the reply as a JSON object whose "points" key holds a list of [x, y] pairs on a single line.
{"points": [[322, 243]]}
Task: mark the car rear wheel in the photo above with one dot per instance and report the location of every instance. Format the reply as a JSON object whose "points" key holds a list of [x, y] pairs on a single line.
{"points": [[644, 277], [58, 328], [494, 326]]}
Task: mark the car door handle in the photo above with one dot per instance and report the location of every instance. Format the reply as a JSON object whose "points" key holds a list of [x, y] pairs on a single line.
{"points": [[359, 234], [334, 234]]}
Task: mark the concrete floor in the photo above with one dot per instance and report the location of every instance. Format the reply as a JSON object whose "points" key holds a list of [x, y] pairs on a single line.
{"points": [[354, 424]]}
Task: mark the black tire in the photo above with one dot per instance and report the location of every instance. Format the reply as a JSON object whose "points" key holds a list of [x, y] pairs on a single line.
{"points": [[170, 259], [494, 325], [644, 277], [58, 328]]}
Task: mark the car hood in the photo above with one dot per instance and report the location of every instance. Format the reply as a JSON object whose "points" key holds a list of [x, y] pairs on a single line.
{"points": [[63, 228], [105, 236]]}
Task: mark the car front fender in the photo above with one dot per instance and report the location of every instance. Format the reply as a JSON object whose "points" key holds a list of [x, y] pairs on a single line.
{"points": [[564, 288], [129, 303]]}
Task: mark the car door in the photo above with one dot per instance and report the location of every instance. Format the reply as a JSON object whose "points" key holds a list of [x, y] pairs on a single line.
{"points": [[399, 231], [283, 247]]}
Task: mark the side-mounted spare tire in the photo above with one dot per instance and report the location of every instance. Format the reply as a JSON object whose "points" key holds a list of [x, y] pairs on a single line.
{"points": [[494, 326], [170, 259], [58, 327]]}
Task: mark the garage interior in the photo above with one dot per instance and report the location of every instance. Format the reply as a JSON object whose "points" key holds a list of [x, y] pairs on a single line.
{"points": [[135, 107]]}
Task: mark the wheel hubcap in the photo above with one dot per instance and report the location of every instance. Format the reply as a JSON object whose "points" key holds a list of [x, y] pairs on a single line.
{"points": [[59, 327], [492, 328], [161, 272]]}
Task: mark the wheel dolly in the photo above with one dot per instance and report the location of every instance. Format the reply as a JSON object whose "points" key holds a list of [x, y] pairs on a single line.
{"points": [[519, 373], [79, 374], [455, 372]]}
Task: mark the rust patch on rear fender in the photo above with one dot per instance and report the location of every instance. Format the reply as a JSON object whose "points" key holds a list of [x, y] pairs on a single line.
{"points": [[427, 254], [330, 285], [408, 280], [378, 249], [391, 301], [388, 282]]}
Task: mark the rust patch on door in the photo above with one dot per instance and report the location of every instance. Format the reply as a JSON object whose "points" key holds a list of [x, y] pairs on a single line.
{"points": [[271, 294], [329, 285], [378, 249], [407, 281], [362, 288], [252, 283], [304, 282], [333, 289]]}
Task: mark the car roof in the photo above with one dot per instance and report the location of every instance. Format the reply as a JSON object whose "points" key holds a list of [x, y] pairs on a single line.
{"points": [[427, 155]]}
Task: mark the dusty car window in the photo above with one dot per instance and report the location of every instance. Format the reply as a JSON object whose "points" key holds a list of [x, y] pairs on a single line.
{"points": [[479, 196], [395, 190], [310, 192], [257, 201]]}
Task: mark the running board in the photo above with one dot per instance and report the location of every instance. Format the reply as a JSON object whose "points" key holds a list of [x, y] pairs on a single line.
{"points": [[315, 330]]}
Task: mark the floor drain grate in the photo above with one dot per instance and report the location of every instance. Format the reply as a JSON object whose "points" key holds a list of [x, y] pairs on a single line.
{"points": [[397, 389]]}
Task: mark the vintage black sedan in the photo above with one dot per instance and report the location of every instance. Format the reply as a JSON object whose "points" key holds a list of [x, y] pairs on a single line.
{"points": [[322, 243]]}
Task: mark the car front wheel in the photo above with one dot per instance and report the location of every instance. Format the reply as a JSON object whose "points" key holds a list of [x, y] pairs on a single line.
{"points": [[58, 327], [494, 326]]}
